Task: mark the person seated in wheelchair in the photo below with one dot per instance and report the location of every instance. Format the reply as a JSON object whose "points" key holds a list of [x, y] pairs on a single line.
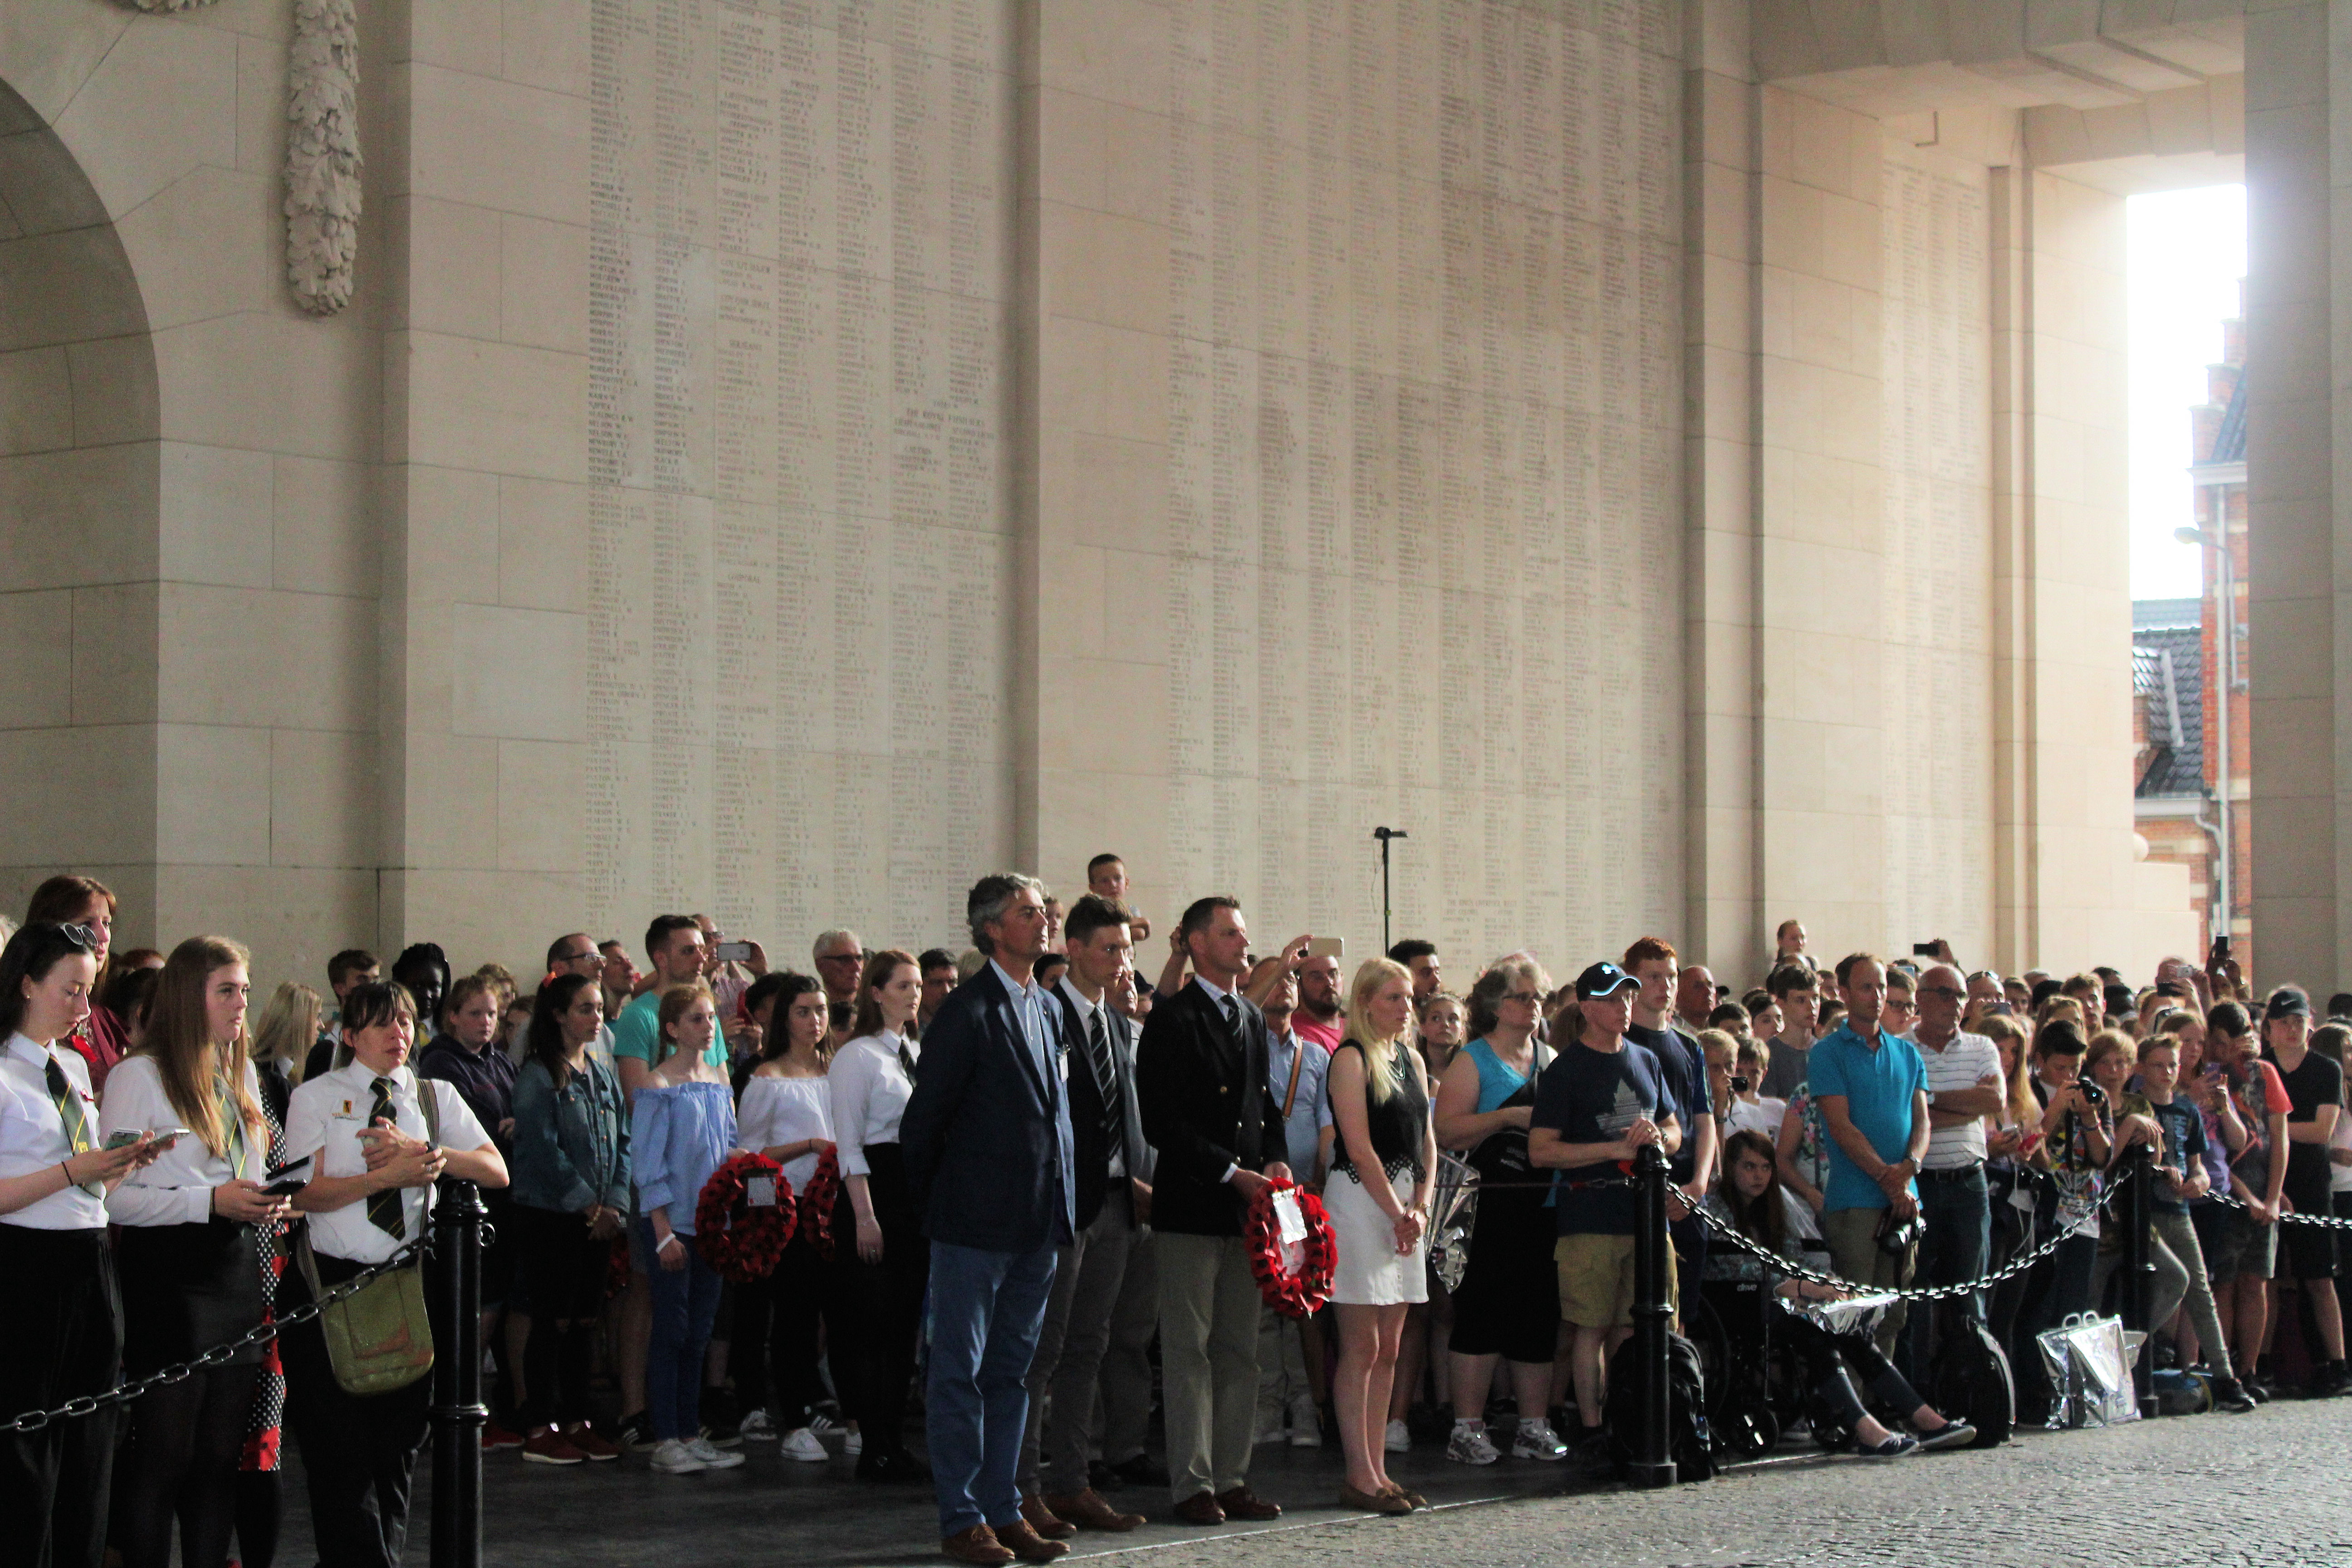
{"points": [[1753, 1202]]}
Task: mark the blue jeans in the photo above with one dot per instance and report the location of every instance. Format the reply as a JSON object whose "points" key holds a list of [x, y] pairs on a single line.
{"points": [[986, 1310], [1955, 1240], [686, 1302]]}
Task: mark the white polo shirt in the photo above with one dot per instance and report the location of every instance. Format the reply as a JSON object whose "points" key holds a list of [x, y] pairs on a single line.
{"points": [[324, 1119], [33, 1135], [1957, 1066]]}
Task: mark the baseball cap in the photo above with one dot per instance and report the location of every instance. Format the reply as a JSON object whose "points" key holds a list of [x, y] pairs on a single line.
{"points": [[2286, 1002], [1603, 980]]}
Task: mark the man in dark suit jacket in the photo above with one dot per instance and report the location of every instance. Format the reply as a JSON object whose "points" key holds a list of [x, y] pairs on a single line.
{"points": [[1201, 1075], [987, 1143], [1114, 1164]]}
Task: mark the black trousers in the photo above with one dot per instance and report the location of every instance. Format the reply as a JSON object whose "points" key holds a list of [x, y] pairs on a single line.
{"points": [[561, 1267], [187, 1438], [884, 1299], [358, 1455], [773, 1354], [65, 1331]]}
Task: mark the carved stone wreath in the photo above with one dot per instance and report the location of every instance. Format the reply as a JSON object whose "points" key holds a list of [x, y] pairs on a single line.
{"points": [[322, 148]]}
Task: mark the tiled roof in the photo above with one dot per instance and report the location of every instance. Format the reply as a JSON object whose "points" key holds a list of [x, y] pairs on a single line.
{"points": [[2168, 665]]}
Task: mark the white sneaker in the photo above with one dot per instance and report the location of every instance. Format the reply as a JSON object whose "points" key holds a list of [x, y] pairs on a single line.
{"points": [[713, 1457], [672, 1458], [1536, 1441], [802, 1443], [1399, 1439], [757, 1428], [1268, 1435], [853, 1445], [1470, 1445], [1305, 1423]]}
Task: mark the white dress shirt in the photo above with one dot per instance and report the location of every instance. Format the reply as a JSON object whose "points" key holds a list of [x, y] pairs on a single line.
{"points": [[324, 1119], [33, 1135], [177, 1189], [1084, 1012], [870, 1091]]}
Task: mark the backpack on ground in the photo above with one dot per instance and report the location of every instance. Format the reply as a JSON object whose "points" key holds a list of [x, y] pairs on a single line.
{"points": [[1971, 1381], [1689, 1442]]}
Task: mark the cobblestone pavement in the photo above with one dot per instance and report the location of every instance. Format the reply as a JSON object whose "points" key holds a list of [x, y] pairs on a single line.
{"points": [[2276, 1482], [2281, 1479]]}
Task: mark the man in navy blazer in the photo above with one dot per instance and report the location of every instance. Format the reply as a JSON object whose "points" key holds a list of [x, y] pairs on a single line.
{"points": [[987, 1143]]}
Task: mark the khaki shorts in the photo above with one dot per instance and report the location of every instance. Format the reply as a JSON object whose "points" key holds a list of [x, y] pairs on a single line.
{"points": [[1596, 1280]]}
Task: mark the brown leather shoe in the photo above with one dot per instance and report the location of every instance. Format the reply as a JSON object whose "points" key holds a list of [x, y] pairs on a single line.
{"points": [[1243, 1503], [977, 1545], [1372, 1502], [1026, 1543], [1045, 1520], [1200, 1508], [1087, 1510]]}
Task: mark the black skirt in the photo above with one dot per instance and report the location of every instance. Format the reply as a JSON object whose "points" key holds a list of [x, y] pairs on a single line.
{"points": [[185, 1289]]}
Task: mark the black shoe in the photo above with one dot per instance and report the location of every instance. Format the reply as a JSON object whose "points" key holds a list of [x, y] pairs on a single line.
{"points": [[2257, 1390], [891, 1466], [2229, 1394], [1140, 1471], [722, 1434], [636, 1433], [1101, 1477]]}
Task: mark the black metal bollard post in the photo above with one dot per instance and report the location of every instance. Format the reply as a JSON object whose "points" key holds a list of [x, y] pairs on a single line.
{"points": [[2139, 1268], [458, 1414], [1652, 1464]]}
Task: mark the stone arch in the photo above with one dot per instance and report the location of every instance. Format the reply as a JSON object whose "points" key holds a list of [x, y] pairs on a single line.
{"points": [[79, 505]]}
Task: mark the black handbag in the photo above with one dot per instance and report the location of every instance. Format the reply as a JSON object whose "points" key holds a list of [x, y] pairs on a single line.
{"points": [[1502, 1156]]}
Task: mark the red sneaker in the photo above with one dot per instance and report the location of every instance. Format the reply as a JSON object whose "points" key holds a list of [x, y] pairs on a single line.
{"points": [[548, 1447], [495, 1437], [584, 1439]]}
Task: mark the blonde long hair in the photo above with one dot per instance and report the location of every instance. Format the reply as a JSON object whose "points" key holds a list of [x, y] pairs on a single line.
{"points": [[1379, 1054], [187, 1058], [288, 1028]]}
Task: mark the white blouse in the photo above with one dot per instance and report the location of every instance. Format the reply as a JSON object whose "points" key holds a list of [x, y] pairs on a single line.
{"points": [[33, 1135], [785, 1110], [324, 1119], [870, 1091], [177, 1189]]}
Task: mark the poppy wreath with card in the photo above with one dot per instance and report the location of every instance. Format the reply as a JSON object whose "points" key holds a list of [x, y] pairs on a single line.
{"points": [[816, 1203], [1296, 1279], [741, 1240]]}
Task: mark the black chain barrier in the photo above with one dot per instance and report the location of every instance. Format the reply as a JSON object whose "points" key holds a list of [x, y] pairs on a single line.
{"points": [[259, 1334]]}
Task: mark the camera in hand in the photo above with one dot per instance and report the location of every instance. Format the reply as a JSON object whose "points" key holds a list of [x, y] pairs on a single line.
{"points": [[1739, 1084], [2093, 1095]]}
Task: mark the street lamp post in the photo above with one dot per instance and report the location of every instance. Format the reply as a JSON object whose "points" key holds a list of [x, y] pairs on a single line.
{"points": [[2226, 658]]}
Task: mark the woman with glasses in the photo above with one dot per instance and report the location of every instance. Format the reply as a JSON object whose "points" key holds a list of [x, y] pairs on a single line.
{"points": [[56, 1275], [1508, 1306]]}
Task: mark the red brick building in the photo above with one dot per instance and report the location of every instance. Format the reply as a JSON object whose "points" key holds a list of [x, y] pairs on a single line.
{"points": [[2185, 676]]}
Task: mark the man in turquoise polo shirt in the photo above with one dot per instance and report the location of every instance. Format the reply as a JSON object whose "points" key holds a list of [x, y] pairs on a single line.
{"points": [[1872, 1088], [675, 944]]}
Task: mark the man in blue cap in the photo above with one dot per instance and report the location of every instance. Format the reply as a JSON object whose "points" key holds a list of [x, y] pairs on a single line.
{"points": [[1601, 1098]]}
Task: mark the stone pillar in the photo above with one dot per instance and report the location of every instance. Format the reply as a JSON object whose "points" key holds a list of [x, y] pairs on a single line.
{"points": [[483, 174], [1091, 667], [1727, 926], [2298, 64], [1821, 561]]}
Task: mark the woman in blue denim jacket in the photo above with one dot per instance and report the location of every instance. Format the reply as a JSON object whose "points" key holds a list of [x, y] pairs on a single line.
{"points": [[569, 1200]]}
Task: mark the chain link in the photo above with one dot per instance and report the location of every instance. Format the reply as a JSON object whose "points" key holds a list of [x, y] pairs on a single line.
{"points": [[2329, 1222], [219, 1355], [2014, 1266]]}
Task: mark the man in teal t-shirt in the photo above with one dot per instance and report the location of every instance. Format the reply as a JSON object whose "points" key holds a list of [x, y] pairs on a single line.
{"points": [[675, 944], [1872, 1087]]}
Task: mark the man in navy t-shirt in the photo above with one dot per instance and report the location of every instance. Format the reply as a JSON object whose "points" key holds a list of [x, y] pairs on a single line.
{"points": [[1601, 1098]]}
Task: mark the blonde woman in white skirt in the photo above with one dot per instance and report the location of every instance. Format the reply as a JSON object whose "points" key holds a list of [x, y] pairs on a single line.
{"points": [[1378, 1194]]}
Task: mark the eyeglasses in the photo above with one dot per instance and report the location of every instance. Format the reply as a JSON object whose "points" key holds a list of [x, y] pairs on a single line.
{"points": [[843, 958], [1526, 996]]}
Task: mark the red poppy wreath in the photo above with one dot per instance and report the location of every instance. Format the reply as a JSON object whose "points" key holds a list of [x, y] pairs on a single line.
{"points": [[1294, 1278], [816, 1203], [741, 1241]]}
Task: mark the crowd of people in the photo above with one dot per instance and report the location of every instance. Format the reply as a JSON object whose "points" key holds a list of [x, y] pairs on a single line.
{"points": [[1028, 1166]]}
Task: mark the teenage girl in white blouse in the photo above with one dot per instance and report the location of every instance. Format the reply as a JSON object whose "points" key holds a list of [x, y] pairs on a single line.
{"points": [[57, 1275]]}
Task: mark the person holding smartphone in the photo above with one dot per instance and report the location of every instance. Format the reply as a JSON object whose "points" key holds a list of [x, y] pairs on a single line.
{"points": [[374, 1157], [189, 1252], [56, 1273]]}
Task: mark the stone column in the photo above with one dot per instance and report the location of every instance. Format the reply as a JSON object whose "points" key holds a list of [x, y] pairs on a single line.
{"points": [[2299, 536], [483, 173]]}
